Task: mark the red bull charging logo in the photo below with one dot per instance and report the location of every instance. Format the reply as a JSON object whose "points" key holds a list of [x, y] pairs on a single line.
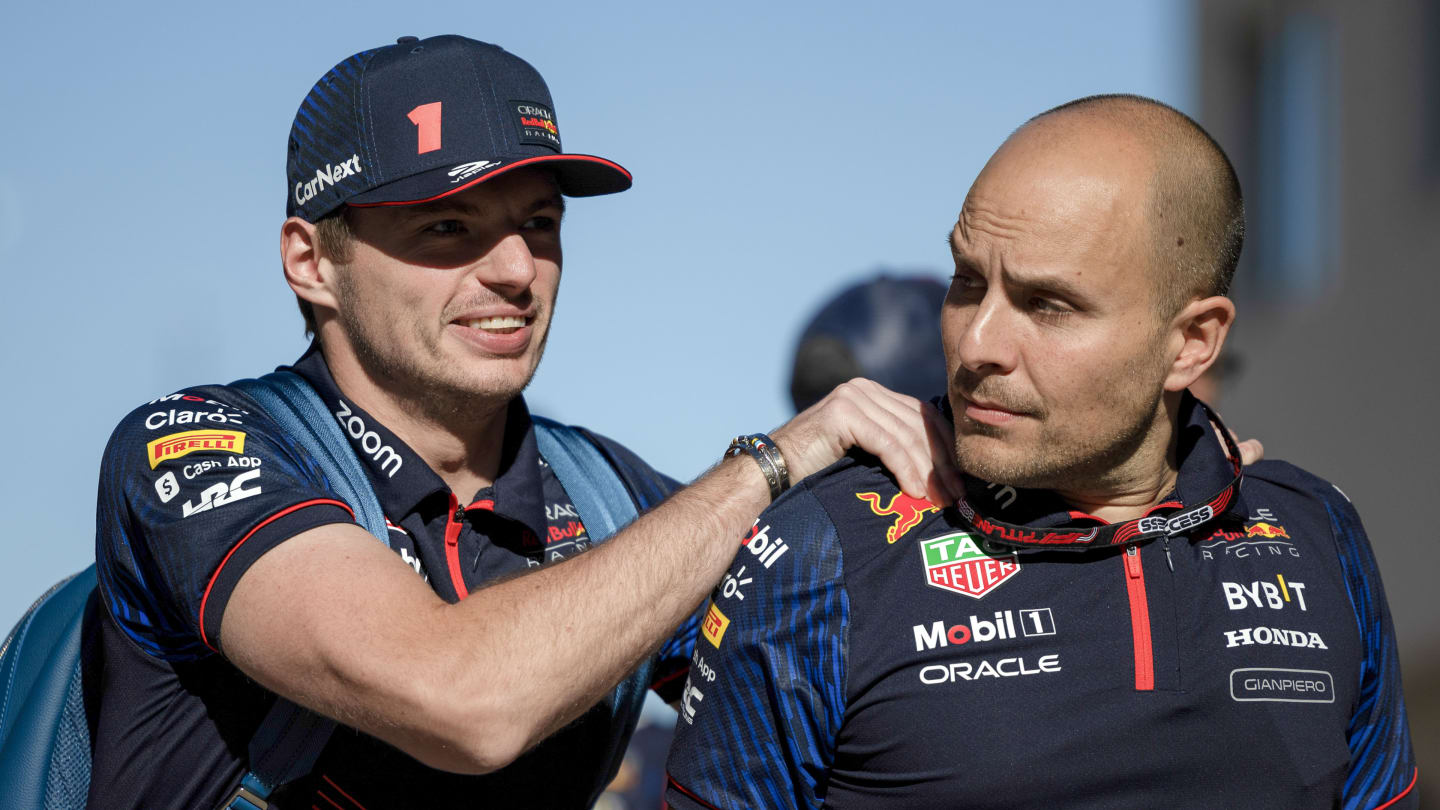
{"points": [[1263, 529], [907, 511]]}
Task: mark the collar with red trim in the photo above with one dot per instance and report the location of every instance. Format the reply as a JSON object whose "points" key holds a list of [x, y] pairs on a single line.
{"points": [[1207, 489]]}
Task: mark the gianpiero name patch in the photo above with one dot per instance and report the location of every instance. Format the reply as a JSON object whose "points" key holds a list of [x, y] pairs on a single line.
{"points": [[1276, 685]]}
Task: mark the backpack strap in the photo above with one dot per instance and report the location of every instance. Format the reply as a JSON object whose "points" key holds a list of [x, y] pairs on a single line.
{"points": [[300, 412], [604, 504], [290, 738]]}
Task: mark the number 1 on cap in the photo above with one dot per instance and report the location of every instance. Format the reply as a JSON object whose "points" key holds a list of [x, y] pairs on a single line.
{"points": [[426, 119]]}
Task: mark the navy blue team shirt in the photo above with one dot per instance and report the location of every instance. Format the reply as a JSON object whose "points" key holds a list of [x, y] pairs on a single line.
{"points": [[197, 485], [865, 649]]}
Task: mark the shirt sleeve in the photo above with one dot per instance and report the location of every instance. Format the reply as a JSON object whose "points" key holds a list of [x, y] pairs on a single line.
{"points": [[1383, 770], [765, 696], [194, 487]]}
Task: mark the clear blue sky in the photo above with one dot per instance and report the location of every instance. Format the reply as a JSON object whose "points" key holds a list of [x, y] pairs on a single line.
{"points": [[780, 151]]}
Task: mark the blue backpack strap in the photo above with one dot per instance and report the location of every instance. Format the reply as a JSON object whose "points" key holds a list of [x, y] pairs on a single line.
{"points": [[290, 738], [44, 733], [299, 411], [605, 506]]}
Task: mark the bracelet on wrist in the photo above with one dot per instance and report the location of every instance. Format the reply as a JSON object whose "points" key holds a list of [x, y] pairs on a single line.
{"points": [[763, 449]]}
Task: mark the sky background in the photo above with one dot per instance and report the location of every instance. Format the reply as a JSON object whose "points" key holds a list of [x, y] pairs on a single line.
{"points": [[780, 152]]}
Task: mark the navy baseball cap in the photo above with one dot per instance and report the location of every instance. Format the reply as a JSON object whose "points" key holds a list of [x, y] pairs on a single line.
{"points": [[425, 118], [886, 329]]}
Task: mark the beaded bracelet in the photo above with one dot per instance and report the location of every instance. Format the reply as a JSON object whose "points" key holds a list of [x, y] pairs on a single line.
{"points": [[766, 453]]}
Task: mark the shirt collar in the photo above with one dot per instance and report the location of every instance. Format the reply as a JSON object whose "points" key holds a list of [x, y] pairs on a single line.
{"points": [[1204, 470]]}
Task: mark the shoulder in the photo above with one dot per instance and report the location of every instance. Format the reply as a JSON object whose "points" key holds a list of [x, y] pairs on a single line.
{"points": [[855, 472], [864, 502], [648, 485], [170, 426], [1284, 481], [1289, 498]]}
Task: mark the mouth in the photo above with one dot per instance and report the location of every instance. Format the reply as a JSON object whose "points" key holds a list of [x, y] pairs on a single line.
{"points": [[988, 413], [498, 324], [505, 335]]}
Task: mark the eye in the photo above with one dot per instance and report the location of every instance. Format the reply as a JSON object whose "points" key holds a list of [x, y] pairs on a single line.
{"points": [[1048, 306], [445, 227], [541, 223], [966, 284]]}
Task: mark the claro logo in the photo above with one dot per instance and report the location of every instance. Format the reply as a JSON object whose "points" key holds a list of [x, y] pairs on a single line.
{"points": [[369, 441]]}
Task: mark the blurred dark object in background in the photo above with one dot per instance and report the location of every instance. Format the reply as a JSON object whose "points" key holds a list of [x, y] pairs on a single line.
{"points": [[886, 329]]}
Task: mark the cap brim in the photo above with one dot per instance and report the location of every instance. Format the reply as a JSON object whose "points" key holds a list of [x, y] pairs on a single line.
{"points": [[577, 175]]}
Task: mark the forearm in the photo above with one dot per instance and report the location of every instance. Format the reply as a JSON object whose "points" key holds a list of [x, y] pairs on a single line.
{"points": [[556, 641]]}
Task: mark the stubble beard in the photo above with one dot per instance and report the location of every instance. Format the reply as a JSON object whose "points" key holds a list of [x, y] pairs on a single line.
{"points": [[440, 397], [1068, 456]]}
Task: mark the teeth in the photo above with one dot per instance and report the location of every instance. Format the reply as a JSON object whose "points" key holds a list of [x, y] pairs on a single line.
{"points": [[501, 322]]}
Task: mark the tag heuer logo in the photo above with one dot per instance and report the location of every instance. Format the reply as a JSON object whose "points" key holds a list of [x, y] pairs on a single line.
{"points": [[955, 562]]}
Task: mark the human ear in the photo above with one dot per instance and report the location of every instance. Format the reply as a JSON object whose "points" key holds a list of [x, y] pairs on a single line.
{"points": [[1197, 334], [309, 274]]}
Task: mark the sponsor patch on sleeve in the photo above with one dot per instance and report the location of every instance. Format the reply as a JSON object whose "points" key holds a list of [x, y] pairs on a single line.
{"points": [[714, 625], [186, 442]]}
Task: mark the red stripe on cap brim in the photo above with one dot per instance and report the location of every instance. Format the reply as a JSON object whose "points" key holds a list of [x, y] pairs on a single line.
{"points": [[589, 160]]}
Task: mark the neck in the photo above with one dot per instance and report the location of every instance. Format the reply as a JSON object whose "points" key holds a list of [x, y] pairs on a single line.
{"points": [[1140, 482], [462, 445]]}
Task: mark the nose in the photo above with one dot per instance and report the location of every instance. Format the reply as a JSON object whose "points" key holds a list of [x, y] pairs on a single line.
{"points": [[509, 265], [979, 335]]}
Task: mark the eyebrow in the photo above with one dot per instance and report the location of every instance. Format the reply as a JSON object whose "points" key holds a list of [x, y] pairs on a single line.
{"points": [[1050, 282], [1039, 279]]}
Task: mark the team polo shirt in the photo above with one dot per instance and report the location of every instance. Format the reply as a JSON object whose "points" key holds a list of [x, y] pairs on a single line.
{"points": [[867, 649], [196, 486]]}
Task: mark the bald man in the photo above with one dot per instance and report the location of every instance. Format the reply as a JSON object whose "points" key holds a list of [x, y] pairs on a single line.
{"points": [[1106, 619]]}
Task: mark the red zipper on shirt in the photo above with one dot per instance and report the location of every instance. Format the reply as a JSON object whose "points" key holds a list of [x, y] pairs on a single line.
{"points": [[454, 522], [1139, 619], [453, 525]]}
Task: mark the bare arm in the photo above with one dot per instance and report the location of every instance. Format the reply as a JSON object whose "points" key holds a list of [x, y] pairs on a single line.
{"points": [[469, 687]]}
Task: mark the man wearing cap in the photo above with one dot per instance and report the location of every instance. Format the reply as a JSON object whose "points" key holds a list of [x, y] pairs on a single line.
{"points": [[886, 329], [1107, 617], [425, 184]]}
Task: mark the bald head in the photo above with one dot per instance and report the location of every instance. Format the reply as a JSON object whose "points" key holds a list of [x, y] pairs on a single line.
{"points": [[1193, 210]]}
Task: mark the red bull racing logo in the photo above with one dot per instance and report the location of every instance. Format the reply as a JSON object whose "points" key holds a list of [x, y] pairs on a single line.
{"points": [[956, 562], [539, 123], [1263, 529], [907, 511]]}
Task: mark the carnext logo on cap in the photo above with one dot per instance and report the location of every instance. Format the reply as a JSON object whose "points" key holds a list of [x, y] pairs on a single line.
{"points": [[329, 176]]}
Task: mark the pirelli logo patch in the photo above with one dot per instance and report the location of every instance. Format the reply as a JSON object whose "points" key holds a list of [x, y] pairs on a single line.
{"points": [[193, 441], [714, 625]]}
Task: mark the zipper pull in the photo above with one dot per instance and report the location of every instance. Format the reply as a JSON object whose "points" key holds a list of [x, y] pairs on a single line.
{"points": [[1132, 561], [454, 522], [1168, 561]]}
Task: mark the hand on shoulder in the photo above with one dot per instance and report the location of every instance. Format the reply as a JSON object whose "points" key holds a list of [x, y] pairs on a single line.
{"points": [[909, 437]]}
